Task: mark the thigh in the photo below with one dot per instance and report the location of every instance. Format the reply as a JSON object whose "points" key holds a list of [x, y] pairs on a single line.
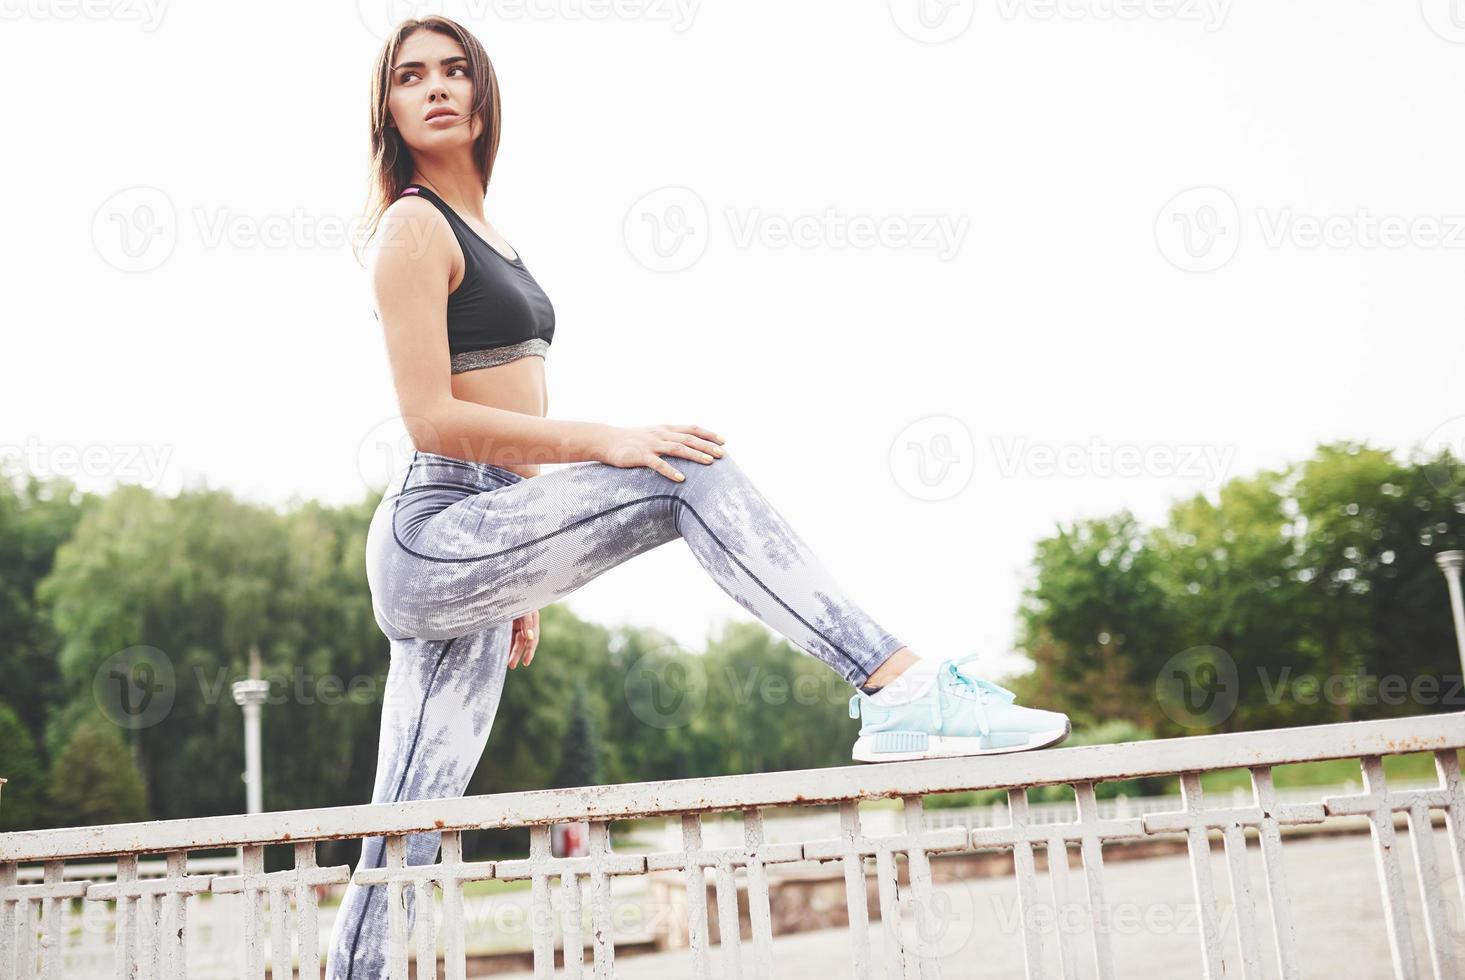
{"points": [[508, 550]]}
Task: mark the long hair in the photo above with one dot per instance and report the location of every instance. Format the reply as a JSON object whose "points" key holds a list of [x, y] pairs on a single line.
{"points": [[391, 159]]}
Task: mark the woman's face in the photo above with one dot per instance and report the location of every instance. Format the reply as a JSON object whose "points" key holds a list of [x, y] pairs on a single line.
{"points": [[431, 76]]}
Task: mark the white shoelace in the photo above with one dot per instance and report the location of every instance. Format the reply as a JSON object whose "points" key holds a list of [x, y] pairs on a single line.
{"points": [[981, 688]]}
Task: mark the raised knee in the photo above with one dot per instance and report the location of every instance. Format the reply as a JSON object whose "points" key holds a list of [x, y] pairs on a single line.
{"points": [[720, 471]]}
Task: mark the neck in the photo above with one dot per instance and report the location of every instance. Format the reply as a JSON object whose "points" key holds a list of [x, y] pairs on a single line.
{"points": [[456, 185]]}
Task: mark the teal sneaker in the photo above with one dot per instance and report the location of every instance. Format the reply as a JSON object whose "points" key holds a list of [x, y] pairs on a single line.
{"points": [[959, 714]]}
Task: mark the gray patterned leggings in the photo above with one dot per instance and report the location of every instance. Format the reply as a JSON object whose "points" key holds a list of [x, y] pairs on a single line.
{"points": [[457, 550]]}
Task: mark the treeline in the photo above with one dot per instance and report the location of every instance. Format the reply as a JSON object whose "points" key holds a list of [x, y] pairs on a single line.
{"points": [[1304, 595], [125, 618]]}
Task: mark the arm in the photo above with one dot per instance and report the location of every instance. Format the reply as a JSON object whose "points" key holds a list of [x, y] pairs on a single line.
{"points": [[411, 266]]}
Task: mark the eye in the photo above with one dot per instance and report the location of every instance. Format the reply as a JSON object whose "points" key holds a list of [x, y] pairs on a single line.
{"points": [[412, 72]]}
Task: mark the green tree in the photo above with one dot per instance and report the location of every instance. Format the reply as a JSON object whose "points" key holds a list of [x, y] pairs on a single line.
{"points": [[94, 780], [770, 706], [1227, 571], [1096, 622], [1312, 580], [22, 797], [653, 689], [1369, 528], [582, 753], [36, 516], [204, 577]]}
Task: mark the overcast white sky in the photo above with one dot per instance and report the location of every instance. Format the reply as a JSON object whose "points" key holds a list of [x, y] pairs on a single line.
{"points": [[944, 274]]}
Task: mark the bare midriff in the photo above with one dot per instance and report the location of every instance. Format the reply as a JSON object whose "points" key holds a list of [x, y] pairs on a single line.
{"points": [[517, 386]]}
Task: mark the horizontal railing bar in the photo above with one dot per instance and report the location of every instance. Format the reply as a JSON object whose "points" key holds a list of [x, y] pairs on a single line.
{"points": [[802, 787], [145, 869], [1063, 811]]}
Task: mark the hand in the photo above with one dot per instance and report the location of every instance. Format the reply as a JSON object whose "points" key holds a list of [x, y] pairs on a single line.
{"points": [[629, 447], [525, 641]]}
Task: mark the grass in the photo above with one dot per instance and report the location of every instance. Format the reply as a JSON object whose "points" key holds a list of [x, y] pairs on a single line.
{"points": [[494, 886], [1415, 765]]}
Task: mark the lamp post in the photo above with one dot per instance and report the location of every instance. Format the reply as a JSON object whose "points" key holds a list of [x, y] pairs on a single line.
{"points": [[1450, 563], [250, 694]]}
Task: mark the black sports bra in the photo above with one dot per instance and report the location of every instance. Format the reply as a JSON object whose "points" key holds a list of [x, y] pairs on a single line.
{"points": [[498, 313]]}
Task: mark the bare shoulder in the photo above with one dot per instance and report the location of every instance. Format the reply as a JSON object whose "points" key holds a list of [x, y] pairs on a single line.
{"points": [[412, 230]]}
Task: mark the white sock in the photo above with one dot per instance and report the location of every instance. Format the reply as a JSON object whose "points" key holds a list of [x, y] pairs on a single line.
{"points": [[911, 683]]}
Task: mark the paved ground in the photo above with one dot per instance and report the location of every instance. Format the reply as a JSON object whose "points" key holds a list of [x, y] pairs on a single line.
{"points": [[1335, 901]]}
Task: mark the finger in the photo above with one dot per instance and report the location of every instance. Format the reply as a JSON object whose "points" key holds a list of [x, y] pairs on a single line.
{"points": [[707, 446], [697, 430], [705, 450], [665, 469], [514, 648], [686, 452]]}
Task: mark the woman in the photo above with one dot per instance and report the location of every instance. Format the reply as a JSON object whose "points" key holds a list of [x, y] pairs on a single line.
{"points": [[471, 539]]}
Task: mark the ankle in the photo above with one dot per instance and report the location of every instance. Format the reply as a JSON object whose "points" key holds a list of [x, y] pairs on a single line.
{"points": [[891, 668]]}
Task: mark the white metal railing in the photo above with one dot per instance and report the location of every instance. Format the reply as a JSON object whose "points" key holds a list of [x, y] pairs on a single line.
{"points": [[1120, 807], [785, 827], [280, 921], [212, 938]]}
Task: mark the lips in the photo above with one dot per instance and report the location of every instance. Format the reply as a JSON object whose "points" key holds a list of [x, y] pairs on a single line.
{"points": [[441, 113]]}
